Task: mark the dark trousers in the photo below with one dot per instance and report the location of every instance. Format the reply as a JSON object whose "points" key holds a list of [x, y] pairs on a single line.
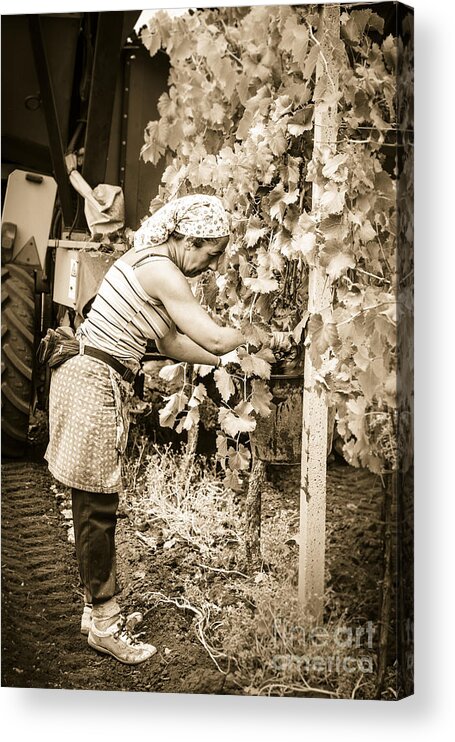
{"points": [[94, 518]]}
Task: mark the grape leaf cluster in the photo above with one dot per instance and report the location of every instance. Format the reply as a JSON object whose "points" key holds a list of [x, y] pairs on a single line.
{"points": [[238, 121]]}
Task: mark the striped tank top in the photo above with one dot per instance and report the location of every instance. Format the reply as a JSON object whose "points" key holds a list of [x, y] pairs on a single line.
{"points": [[123, 316]]}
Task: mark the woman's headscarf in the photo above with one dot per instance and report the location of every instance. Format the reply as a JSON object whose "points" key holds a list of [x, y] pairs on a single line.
{"points": [[198, 215]]}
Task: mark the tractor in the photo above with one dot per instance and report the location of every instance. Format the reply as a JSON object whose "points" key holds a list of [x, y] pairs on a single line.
{"points": [[80, 85]]}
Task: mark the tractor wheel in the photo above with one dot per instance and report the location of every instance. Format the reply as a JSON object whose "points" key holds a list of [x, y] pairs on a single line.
{"points": [[18, 350]]}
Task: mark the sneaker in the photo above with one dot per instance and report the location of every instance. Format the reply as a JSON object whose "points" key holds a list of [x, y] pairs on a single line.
{"points": [[86, 619], [119, 641]]}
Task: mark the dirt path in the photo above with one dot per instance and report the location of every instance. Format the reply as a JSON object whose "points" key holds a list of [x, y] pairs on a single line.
{"points": [[42, 599], [41, 605]]}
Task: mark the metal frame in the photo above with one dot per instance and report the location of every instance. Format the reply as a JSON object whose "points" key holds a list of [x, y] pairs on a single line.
{"points": [[52, 121], [105, 70]]}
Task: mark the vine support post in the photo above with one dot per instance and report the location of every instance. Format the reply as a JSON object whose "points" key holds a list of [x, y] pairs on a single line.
{"points": [[253, 516], [389, 491], [315, 412]]}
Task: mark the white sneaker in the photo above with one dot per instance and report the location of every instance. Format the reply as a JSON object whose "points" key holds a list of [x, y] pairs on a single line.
{"points": [[86, 619], [119, 641]]}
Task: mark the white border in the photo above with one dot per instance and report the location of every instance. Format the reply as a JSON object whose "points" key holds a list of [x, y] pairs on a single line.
{"points": [[135, 717]]}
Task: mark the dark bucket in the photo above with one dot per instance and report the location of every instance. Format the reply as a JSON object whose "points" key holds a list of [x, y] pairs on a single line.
{"points": [[277, 438]]}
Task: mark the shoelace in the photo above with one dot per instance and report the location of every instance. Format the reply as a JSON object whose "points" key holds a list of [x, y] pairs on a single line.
{"points": [[126, 626]]}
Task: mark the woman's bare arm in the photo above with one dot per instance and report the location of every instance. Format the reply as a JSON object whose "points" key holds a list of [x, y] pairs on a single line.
{"points": [[182, 348], [168, 284]]}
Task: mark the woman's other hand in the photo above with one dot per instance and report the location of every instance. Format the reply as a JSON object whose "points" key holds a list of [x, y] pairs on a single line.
{"points": [[281, 341], [231, 357]]}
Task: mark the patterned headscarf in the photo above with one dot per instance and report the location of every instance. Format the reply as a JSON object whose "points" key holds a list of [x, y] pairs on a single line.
{"points": [[195, 216]]}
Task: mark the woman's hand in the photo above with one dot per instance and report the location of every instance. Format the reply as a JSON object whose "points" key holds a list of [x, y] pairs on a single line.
{"points": [[281, 341], [231, 357]]}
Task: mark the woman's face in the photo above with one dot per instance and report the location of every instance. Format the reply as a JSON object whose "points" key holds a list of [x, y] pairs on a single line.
{"points": [[197, 260]]}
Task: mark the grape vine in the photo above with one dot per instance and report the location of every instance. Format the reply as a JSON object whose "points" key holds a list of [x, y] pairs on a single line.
{"points": [[238, 121]]}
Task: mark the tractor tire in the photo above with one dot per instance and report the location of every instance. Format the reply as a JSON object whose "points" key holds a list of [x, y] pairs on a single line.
{"points": [[18, 355]]}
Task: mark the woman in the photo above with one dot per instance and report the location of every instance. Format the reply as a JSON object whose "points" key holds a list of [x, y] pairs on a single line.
{"points": [[144, 295]]}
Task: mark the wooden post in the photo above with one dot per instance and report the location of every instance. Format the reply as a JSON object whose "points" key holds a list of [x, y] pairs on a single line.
{"points": [[314, 430], [389, 492], [253, 516]]}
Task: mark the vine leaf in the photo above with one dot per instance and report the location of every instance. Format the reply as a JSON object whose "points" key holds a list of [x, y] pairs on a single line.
{"points": [[311, 61], [238, 420], [391, 313], [334, 260], [221, 446], [369, 382], [332, 165], [300, 327], [389, 49], [276, 202], [254, 365], [189, 420], [151, 39], [224, 383], [357, 408], [367, 232], [333, 199], [172, 372], [261, 398], [155, 141], [198, 396], [175, 404], [266, 354], [354, 23], [202, 369], [216, 115], [224, 70], [254, 334], [277, 143], [239, 458], [261, 285], [301, 121], [232, 480], [362, 358], [323, 335], [255, 231], [269, 261], [295, 38]]}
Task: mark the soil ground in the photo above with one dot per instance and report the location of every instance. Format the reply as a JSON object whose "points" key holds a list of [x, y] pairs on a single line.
{"points": [[42, 597]]}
